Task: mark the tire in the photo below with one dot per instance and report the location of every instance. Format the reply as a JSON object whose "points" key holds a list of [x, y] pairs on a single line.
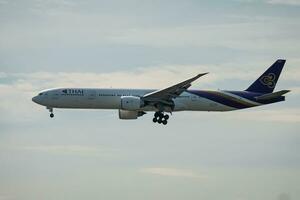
{"points": [[154, 120], [166, 117], [164, 122], [161, 115], [51, 115]]}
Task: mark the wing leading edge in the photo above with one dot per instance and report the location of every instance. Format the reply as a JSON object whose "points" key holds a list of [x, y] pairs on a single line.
{"points": [[167, 94]]}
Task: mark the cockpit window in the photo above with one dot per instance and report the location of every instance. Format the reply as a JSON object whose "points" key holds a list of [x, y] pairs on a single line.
{"points": [[40, 93]]}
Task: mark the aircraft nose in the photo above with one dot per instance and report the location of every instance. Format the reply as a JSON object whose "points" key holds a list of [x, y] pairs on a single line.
{"points": [[34, 99]]}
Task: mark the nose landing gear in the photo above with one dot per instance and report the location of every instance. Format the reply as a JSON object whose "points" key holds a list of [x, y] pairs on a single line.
{"points": [[51, 112], [160, 118]]}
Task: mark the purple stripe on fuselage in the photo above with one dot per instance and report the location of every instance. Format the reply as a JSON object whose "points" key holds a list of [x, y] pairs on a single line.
{"points": [[247, 95], [251, 96], [223, 100]]}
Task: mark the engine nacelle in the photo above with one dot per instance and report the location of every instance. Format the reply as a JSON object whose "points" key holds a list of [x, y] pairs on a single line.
{"points": [[128, 114], [131, 103]]}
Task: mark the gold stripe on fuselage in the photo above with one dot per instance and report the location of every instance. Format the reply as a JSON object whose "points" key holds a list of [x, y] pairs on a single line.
{"points": [[231, 98]]}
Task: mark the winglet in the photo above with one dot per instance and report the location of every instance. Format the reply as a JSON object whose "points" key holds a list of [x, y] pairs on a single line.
{"points": [[199, 75], [189, 81], [203, 74]]}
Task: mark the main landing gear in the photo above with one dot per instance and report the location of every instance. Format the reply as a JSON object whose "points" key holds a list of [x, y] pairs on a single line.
{"points": [[160, 118], [51, 112]]}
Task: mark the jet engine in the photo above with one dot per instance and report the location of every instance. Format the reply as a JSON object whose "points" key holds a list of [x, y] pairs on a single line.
{"points": [[128, 114], [131, 103]]}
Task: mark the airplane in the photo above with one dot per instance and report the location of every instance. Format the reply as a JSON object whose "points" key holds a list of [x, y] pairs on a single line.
{"points": [[134, 103]]}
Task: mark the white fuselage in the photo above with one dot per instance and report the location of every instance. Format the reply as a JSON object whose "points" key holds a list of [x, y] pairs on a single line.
{"points": [[89, 98]]}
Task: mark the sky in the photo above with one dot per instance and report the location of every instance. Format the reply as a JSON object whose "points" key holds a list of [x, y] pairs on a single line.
{"points": [[250, 154]]}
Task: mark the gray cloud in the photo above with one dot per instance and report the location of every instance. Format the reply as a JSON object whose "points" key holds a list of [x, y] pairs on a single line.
{"points": [[284, 2], [173, 172]]}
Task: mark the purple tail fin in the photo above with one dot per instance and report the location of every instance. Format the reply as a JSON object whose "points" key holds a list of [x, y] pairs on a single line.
{"points": [[267, 81]]}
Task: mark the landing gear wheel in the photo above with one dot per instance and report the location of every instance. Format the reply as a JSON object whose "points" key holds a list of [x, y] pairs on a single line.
{"points": [[158, 114], [159, 120], [51, 111], [166, 117]]}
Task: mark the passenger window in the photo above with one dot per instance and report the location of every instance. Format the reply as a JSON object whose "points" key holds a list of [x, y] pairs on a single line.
{"points": [[40, 93]]}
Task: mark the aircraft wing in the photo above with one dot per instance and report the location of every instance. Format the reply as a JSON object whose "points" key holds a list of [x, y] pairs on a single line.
{"points": [[167, 94]]}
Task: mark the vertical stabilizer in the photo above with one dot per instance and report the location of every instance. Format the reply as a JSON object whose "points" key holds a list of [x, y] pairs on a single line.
{"points": [[267, 81]]}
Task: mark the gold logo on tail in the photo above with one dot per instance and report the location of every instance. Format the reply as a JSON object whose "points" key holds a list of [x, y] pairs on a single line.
{"points": [[268, 80]]}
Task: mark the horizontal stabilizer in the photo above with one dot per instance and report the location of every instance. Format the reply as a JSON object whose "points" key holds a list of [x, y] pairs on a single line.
{"points": [[272, 95]]}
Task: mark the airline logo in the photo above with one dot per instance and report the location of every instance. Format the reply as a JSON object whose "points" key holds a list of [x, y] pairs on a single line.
{"points": [[269, 80], [73, 91]]}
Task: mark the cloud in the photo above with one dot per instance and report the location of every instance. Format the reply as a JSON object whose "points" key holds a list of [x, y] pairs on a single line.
{"points": [[243, 35], [295, 90], [275, 2], [284, 2], [174, 172], [82, 29], [150, 77], [77, 150], [7, 197], [288, 115], [3, 2]]}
